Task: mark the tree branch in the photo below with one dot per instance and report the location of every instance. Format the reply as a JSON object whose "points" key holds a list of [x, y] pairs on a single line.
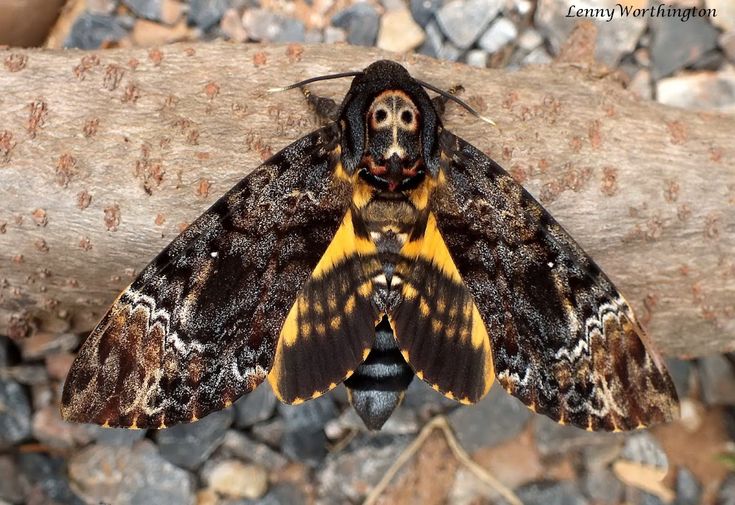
{"points": [[105, 156]]}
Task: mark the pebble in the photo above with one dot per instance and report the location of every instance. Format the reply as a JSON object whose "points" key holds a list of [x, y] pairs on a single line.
{"points": [[44, 344], [45, 480], [602, 487], [231, 26], [501, 32], [423, 10], [237, 444], [132, 475], [727, 43], [304, 439], [476, 58], [433, 42], [284, 494], [530, 39], [716, 373], [464, 21], [641, 85], [101, 6], [255, 406], [51, 430], [538, 56], [676, 45], [90, 31], [688, 489], [361, 22], [680, 370], [117, 436], [15, 414], [265, 26], [725, 17], [553, 438], [206, 13], [348, 474], [189, 445], [398, 32], [271, 431], [550, 493], [643, 448], [496, 418], [148, 33], [149, 9], [333, 35], [726, 494], [234, 479], [10, 487]]}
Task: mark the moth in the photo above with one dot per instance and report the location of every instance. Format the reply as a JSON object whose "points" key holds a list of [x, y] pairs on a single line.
{"points": [[377, 248]]}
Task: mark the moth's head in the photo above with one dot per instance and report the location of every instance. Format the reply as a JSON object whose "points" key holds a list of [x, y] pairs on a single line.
{"points": [[389, 125]]}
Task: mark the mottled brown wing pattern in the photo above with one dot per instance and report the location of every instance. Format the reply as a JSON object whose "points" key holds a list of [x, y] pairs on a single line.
{"points": [[564, 340], [198, 328]]}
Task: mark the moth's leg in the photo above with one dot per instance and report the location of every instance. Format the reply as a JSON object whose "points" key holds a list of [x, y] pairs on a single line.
{"points": [[326, 108], [440, 102]]}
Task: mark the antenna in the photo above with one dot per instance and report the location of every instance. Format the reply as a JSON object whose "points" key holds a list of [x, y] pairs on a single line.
{"points": [[314, 79], [453, 98]]}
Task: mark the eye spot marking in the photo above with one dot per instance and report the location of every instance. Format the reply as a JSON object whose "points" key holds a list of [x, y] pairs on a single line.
{"points": [[381, 115], [407, 117]]}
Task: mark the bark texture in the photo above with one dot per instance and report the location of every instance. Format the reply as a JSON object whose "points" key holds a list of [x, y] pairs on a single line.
{"points": [[106, 155]]}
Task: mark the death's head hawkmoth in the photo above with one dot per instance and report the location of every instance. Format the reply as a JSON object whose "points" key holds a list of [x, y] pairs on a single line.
{"points": [[379, 247]]}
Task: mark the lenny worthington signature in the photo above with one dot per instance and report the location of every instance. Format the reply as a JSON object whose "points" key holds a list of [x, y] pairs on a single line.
{"points": [[654, 11]]}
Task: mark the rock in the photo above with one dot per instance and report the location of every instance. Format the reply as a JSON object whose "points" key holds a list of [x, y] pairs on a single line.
{"points": [[264, 25], [234, 479], [688, 489], [15, 414], [117, 437], [361, 22], [676, 45], [463, 21], [501, 32], [423, 11], [271, 432], [421, 398], [476, 58], [711, 60], [553, 438], [240, 446], [101, 6], [149, 9], [726, 494], [46, 480], [467, 489], [641, 85], [90, 31], [231, 26], [398, 32], [134, 476], [642, 447], [148, 33], [716, 373], [725, 17], [681, 373], [284, 494], [207, 13], [615, 37], [332, 35], [189, 445], [304, 439], [254, 407], [171, 11], [403, 421], [58, 365], [496, 418], [51, 430], [351, 472], [538, 56], [44, 344], [727, 43], [530, 39], [432, 46], [550, 493], [602, 487], [10, 488]]}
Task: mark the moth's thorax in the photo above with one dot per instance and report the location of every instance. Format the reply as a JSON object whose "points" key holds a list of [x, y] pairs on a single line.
{"points": [[393, 148]]}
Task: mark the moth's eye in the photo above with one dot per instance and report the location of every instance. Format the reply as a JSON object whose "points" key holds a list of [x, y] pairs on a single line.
{"points": [[380, 115], [407, 116]]}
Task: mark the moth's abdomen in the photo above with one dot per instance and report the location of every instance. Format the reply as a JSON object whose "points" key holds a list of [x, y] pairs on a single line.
{"points": [[377, 386]]}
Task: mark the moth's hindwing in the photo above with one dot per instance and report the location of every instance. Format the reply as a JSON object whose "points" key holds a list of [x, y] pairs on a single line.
{"points": [[564, 340], [437, 324], [199, 326], [331, 327]]}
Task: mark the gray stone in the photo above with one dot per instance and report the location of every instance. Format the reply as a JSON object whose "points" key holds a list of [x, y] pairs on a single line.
{"points": [[4, 351], [716, 373], [403, 421], [234, 479], [45, 479], [52, 431], [304, 439], [149, 9], [681, 373], [463, 21], [332, 35], [501, 32], [189, 445], [206, 13], [10, 488], [433, 42], [101, 6], [496, 418], [90, 31], [15, 414], [676, 45], [550, 493], [727, 43], [602, 487], [554, 438], [644, 449], [530, 39], [427, 403], [615, 37], [423, 11], [351, 472], [476, 58], [271, 431], [538, 56], [117, 437], [688, 489], [725, 17], [284, 494], [726, 494], [133, 476], [240, 446], [361, 22], [255, 407]]}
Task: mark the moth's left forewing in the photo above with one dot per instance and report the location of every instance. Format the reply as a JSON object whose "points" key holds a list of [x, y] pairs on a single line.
{"points": [[198, 328], [564, 340]]}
